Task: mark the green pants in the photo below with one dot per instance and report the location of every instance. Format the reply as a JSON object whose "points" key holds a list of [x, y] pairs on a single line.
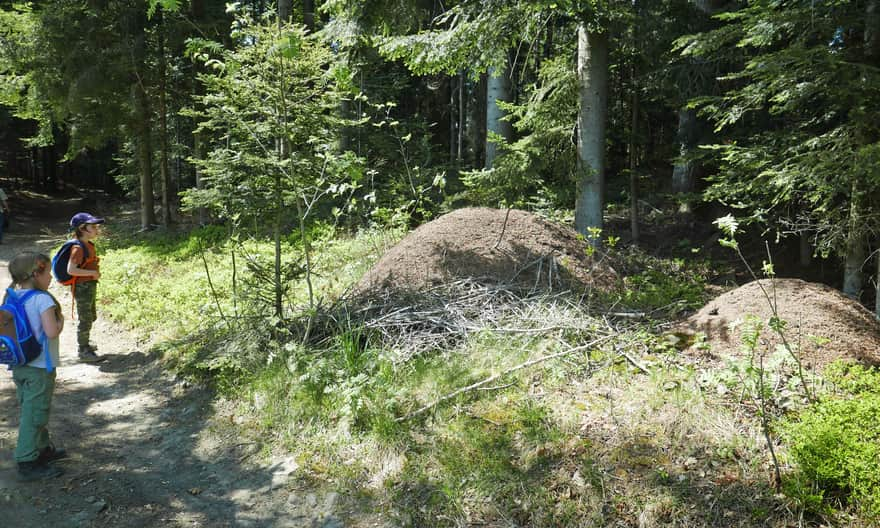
{"points": [[33, 387], [85, 293]]}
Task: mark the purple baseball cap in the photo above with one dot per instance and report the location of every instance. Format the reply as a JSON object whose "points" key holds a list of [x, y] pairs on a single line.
{"points": [[84, 218]]}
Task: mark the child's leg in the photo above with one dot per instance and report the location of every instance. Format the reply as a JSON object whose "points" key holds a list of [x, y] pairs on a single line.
{"points": [[34, 388], [86, 312]]}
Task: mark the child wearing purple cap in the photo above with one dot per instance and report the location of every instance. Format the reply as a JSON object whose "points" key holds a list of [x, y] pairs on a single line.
{"points": [[83, 267]]}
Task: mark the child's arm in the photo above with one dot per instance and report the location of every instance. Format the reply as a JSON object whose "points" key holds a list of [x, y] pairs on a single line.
{"points": [[74, 270], [52, 324]]}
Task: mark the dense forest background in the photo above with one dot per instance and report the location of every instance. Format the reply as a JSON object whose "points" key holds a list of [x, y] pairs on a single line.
{"points": [[395, 111]]}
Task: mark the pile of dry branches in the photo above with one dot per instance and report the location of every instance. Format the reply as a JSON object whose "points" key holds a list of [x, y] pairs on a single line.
{"points": [[412, 323]]}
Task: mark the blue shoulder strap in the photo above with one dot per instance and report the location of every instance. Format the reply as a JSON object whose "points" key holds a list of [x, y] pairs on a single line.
{"points": [[44, 342]]}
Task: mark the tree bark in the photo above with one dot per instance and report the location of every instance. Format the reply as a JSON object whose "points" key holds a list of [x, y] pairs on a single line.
{"points": [[853, 278], [856, 252], [683, 180], [309, 14], [198, 152], [633, 164], [163, 126], [285, 9], [142, 128], [592, 66], [498, 88], [877, 290]]}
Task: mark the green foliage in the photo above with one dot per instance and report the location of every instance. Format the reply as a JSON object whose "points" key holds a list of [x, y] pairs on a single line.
{"points": [[403, 190], [19, 48], [349, 380], [657, 290], [269, 162], [658, 286], [160, 283], [798, 145], [472, 36], [542, 159], [836, 444]]}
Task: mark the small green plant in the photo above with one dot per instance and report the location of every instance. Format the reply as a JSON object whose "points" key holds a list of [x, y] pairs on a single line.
{"points": [[836, 444], [657, 290], [755, 380]]}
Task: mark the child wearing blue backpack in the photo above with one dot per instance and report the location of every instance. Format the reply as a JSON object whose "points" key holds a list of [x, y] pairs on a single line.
{"points": [[77, 264], [35, 380]]}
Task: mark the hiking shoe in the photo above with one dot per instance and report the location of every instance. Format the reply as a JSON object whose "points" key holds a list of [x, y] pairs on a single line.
{"points": [[37, 470], [51, 454], [87, 355]]}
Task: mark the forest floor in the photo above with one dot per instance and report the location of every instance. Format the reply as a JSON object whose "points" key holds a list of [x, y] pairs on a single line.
{"points": [[149, 450], [146, 449]]}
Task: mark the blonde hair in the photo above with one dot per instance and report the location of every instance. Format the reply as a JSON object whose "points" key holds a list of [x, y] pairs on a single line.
{"points": [[23, 266]]}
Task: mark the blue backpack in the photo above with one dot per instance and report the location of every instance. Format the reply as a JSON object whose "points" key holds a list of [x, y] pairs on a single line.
{"points": [[18, 344], [62, 257]]}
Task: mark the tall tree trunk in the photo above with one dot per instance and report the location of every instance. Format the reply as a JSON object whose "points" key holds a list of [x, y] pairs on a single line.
{"points": [[853, 278], [634, 162], [197, 11], [872, 54], [309, 14], [198, 152], [283, 152], [143, 129], [856, 252], [285, 9], [163, 125], [462, 118], [592, 66], [454, 121], [683, 180], [346, 110], [476, 123], [498, 88]]}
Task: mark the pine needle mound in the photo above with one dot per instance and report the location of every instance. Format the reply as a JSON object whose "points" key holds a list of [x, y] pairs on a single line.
{"points": [[845, 330], [489, 246]]}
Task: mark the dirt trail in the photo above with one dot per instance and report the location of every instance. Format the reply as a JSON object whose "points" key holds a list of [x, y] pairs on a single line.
{"points": [[145, 450]]}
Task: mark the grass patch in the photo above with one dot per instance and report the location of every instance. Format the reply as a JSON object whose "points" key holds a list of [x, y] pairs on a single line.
{"points": [[587, 439]]}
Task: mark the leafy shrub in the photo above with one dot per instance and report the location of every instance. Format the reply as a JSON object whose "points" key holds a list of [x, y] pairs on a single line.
{"points": [[836, 444], [652, 290]]}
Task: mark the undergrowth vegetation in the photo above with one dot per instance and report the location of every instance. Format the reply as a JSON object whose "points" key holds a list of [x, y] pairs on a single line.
{"points": [[515, 422]]}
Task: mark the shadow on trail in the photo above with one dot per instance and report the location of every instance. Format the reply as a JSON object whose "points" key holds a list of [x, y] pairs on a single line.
{"points": [[135, 456], [143, 448]]}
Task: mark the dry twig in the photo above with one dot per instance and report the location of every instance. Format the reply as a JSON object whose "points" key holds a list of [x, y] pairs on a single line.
{"points": [[490, 379]]}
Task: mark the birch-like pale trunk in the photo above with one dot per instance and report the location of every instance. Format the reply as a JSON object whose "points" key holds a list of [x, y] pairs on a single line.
{"points": [[592, 70], [497, 89]]}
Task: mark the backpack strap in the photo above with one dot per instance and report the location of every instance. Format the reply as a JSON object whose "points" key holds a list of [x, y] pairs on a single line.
{"points": [[85, 249], [44, 342]]}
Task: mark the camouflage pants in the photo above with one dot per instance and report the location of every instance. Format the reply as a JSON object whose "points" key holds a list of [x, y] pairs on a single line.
{"points": [[86, 294], [33, 387]]}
